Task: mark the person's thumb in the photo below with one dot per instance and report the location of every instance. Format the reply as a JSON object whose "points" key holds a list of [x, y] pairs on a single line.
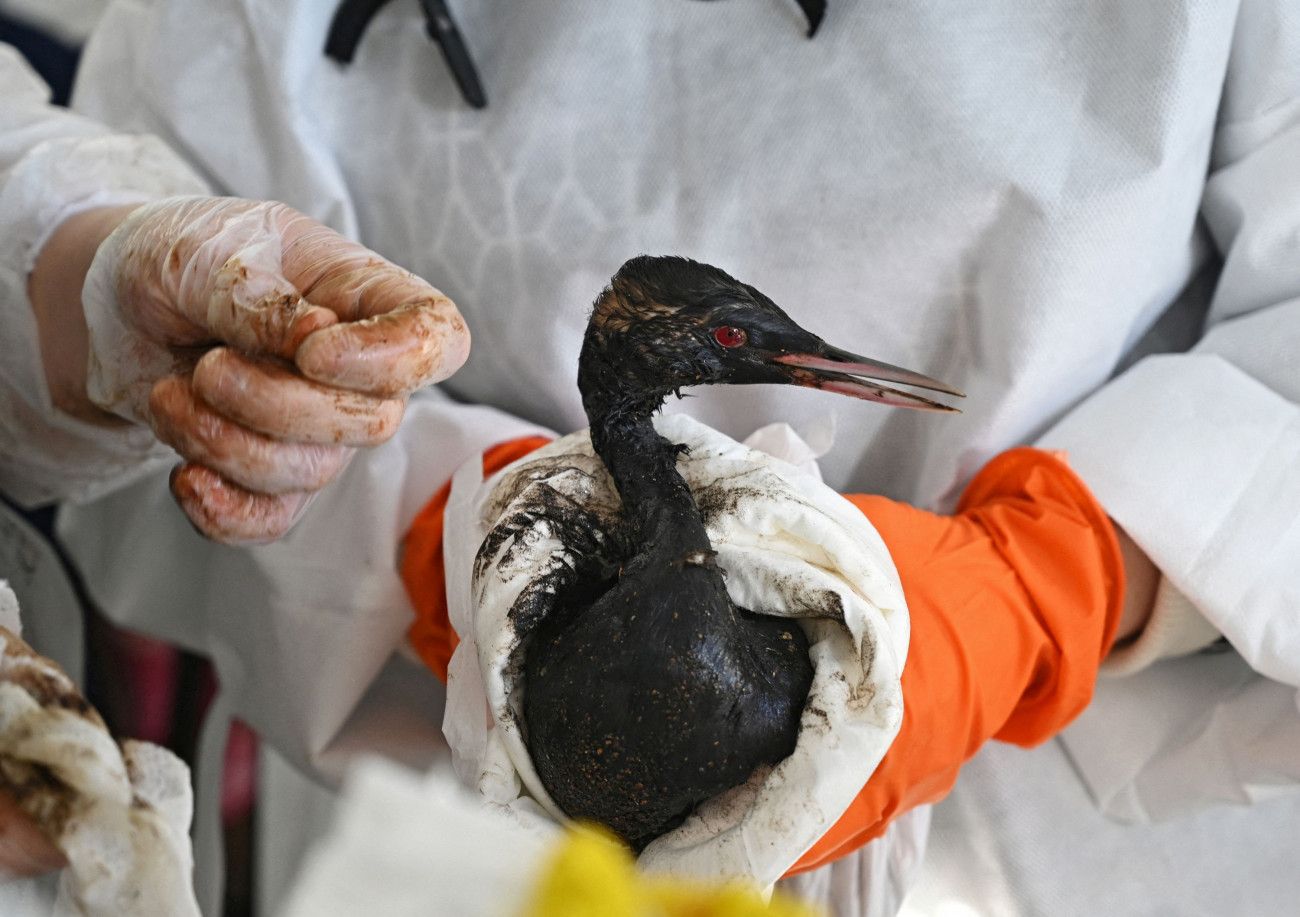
{"points": [[235, 278]]}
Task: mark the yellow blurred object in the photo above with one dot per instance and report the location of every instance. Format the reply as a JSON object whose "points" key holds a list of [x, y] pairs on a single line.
{"points": [[593, 875]]}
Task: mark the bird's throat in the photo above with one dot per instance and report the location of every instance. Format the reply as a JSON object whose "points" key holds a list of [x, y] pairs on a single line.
{"points": [[659, 509]]}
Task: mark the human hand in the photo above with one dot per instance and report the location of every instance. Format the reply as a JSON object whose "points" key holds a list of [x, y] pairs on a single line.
{"points": [[24, 850], [259, 344]]}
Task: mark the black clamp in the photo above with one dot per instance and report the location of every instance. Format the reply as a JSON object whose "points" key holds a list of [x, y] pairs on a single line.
{"points": [[352, 17]]}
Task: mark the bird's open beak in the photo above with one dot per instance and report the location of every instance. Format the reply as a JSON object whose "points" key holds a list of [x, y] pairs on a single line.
{"points": [[835, 370]]}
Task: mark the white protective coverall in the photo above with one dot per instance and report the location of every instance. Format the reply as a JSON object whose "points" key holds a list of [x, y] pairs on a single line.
{"points": [[1020, 200]]}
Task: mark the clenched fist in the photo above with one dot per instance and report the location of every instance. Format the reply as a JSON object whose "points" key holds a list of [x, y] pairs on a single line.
{"points": [[259, 344]]}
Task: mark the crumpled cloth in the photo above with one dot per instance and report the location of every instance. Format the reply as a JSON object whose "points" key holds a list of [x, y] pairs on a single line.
{"points": [[783, 538], [120, 814], [405, 844]]}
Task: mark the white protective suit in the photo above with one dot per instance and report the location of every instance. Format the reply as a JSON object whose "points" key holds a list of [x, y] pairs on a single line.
{"points": [[1018, 199]]}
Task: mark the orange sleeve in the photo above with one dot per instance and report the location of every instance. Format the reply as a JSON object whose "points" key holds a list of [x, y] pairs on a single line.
{"points": [[431, 634], [1014, 602]]}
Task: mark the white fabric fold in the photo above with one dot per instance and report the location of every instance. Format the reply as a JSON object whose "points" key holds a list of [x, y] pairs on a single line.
{"points": [[1206, 485], [1186, 734]]}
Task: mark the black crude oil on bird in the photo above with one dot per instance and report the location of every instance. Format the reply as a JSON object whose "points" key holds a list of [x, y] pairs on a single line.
{"points": [[647, 691]]}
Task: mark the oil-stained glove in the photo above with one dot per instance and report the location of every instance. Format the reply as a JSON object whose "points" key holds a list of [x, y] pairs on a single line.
{"points": [[260, 345], [1014, 601]]}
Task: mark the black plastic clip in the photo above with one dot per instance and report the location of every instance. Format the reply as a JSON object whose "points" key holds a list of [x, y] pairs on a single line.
{"points": [[352, 17]]}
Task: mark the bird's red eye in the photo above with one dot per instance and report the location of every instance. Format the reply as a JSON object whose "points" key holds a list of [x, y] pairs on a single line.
{"points": [[728, 336]]}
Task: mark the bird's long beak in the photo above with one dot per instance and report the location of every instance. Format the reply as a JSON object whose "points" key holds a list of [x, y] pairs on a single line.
{"points": [[835, 370]]}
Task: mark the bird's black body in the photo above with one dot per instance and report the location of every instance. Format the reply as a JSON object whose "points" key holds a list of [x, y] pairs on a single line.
{"points": [[648, 692], [660, 693]]}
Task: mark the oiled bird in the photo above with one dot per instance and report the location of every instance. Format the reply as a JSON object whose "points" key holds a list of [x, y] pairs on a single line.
{"points": [[647, 691]]}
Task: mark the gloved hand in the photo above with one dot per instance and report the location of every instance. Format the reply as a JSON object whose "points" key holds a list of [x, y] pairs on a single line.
{"points": [[260, 345], [24, 850], [1013, 602]]}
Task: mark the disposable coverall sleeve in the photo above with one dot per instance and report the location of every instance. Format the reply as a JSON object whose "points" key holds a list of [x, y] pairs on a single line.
{"points": [[1196, 454], [53, 165]]}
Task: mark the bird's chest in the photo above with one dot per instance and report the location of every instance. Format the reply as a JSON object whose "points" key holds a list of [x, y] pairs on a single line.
{"points": [[670, 651]]}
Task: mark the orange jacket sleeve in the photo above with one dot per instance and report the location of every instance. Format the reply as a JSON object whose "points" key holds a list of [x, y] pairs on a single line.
{"points": [[1014, 601]]}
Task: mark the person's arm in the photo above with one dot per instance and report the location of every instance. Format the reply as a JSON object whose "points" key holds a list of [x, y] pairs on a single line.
{"points": [[24, 850], [260, 345], [1141, 578], [54, 287], [1195, 454], [257, 343], [55, 165]]}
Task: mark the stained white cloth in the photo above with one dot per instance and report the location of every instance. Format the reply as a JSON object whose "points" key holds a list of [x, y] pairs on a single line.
{"points": [[1013, 200], [786, 543], [119, 813]]}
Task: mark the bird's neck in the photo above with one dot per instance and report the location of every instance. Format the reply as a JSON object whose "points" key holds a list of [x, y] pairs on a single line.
{"points": [[658, 506]]}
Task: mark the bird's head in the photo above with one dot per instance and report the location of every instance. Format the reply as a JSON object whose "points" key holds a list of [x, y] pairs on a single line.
{"points": [[665, 323]]}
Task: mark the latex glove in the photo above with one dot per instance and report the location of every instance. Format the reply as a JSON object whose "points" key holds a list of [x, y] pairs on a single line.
{"points": [[260, 345], [1014, 601]]}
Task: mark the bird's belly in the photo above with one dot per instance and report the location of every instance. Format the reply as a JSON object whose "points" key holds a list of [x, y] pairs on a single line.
{"points": [[642, 706]]}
